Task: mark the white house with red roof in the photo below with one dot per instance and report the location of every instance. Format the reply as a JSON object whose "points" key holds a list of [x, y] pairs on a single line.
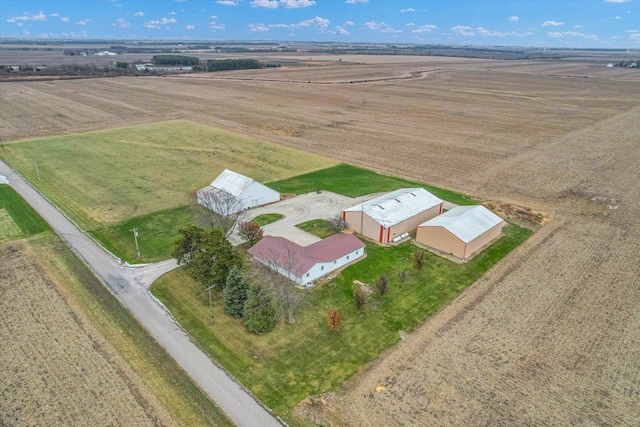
{"points": [[304, 265]]}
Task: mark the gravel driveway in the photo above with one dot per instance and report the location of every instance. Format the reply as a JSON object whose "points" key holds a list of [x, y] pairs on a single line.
{"points": [[299, 209]]}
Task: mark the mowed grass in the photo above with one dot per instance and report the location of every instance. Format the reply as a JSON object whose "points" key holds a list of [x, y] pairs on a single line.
{"points": [[157, 233], [319, 227], [266, 219], [17, 218], [353, 181], [106, 177], [294, 361]]}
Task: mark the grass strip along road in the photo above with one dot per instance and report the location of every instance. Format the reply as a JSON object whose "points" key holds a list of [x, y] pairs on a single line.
{"points": [[239, 406]]}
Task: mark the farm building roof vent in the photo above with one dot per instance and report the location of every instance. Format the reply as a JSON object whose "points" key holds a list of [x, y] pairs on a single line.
{"points": [[381, 207], [413, 195], [397, 200]]}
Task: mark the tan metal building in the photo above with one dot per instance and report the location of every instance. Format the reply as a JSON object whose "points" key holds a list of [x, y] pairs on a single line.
{"points": [[462, 231], [389, 216]]}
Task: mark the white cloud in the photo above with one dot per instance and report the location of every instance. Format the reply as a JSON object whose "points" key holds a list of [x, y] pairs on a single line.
{"points": [[294, 4], [632, 31], [357, 1], [559, 35], [25, 32], [28, 17], [618, 17], [171, 13], [258, 28], [616, 1], [484, 32], [270, 4], [65, 19], [214, 17], [227, 2], [592, 37], [54, 15], [635, 36], [463, 30], [189, 27], [317, 22], [373, 25], [573, 33], [138, 14], [340, 30], [410, 24], [407, 10], [513, 19], [555, 35], [156, 24], [577, 27], [349, 23], [122, 23], [552, 24], [214, 26], [424, 28], [83, 21]]}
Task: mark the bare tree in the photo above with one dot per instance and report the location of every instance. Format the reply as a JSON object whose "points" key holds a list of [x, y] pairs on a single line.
{"points": [[276, 274], [218, 209], [251, 231], [337, 224]]}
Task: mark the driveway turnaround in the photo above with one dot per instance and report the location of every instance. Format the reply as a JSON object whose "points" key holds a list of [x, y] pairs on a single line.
{"points": [[130, 287]]}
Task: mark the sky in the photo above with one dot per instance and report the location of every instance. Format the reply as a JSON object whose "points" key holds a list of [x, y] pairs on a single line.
{"points": [[550, 23]]}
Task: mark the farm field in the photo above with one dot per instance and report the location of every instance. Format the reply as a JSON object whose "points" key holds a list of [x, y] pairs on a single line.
{"points": [[66, 358], [286, 365], [549, 336]]}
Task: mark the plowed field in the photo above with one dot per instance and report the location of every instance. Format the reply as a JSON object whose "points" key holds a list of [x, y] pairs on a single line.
{"points": [[549, 337], [55, 369]]}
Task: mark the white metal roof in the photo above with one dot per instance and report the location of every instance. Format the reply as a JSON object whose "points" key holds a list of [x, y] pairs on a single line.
{"points": [[465, 222], [231, 182], [397, 206]]}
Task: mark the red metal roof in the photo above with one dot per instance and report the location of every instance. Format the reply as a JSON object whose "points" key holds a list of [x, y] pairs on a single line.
{"points": [[297, 259]]}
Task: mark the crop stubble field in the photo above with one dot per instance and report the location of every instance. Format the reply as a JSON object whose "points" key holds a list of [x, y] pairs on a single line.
{"points": [[550, 336], [55, 369]]}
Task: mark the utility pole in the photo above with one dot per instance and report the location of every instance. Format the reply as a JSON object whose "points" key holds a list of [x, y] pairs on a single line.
{"points": [[210, 305], [135, 237]]}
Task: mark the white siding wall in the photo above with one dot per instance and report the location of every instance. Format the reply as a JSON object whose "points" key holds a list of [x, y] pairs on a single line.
{"points": [[257, 194], [323, 268]]}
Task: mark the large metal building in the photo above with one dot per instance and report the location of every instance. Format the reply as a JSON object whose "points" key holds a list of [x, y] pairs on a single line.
{"points": [[462, 231], [393, 214]]}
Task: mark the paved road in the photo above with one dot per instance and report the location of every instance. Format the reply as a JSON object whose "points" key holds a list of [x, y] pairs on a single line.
{"points": [[129, 286]]}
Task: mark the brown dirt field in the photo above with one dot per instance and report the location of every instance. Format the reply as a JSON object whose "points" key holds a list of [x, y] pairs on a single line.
{"points": [[551, 336], [57, 370]]}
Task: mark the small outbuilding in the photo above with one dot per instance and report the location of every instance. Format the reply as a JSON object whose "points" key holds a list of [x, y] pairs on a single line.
{"points": [[386, 217], [304, 265], [240, 192], [462, 231]]}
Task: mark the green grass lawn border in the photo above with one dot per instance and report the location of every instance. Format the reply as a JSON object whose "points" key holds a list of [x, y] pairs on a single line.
{"points": [[353, 181], [278, 368], [318, 227], [266, 219], [22, 214]]}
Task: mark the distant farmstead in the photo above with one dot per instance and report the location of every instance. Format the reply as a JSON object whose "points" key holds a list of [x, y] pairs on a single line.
{"points": [[390, 216], [304, 265], [247, 192], [462, 231]]}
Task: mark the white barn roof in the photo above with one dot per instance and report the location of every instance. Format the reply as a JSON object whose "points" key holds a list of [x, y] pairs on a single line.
{"points": [[397, 206], [465, 222], [231, 182]]}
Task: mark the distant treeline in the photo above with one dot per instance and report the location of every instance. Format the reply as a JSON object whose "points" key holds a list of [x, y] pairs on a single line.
{"points": [[232, 64], [175, 60]]}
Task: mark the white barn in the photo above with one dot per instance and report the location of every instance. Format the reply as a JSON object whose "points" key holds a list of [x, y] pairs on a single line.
{"points": [[248, 192], [304, 265]]}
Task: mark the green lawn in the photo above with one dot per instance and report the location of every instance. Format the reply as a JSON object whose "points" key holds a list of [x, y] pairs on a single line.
{"points": [[353, 181], [17, 218], [265, 219], [157, 233], [106, 177], [295, 361], [319, 227]]}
